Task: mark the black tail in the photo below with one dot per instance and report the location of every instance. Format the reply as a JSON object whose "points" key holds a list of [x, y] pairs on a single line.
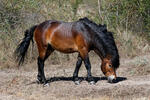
{"points": [[22, 48]]}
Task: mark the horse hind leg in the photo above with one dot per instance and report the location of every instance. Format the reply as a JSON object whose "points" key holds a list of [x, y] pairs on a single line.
{"points": [[43, 55], [41, 76]]}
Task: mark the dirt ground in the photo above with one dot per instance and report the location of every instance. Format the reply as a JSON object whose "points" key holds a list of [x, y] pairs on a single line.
{"points": [[133, 82]]}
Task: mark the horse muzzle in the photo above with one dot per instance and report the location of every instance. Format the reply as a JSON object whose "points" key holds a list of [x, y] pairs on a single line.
{"points": [[111, 79]]}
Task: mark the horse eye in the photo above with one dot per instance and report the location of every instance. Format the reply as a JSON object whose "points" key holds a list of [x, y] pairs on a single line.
{"points": [[110, 66]]}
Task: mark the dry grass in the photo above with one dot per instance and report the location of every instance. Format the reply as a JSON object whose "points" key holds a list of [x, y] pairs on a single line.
{"points": [[130, 44], [17, 16], [133, 50], [17, 84]]}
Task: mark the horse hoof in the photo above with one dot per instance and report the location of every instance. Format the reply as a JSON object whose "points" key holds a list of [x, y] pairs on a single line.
{"points": [[38, 82], [92, 83], [46, 85], [77, 82]]}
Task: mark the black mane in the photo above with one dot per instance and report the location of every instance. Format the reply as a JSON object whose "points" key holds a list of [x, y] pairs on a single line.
{"points": [[100, 27], [103, 40]]}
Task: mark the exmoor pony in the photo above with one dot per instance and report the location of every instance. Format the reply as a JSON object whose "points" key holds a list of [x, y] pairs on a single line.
{"points": [[80, 36]]}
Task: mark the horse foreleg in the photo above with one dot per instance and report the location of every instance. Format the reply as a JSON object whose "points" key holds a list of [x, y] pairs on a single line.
{"points": [[75, 74], [87, 63]]}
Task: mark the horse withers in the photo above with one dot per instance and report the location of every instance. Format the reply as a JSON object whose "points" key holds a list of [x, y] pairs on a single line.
{"points": [[80, 36]]}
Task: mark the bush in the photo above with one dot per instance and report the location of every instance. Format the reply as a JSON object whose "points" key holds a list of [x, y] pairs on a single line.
{"points": [[124, 17]]}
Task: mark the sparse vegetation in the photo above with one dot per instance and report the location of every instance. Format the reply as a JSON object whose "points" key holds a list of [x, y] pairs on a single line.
{"points": [[129, 20]]}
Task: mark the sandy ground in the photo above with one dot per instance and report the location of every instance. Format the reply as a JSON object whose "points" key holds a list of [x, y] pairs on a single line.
{"points": [[133, 82]]}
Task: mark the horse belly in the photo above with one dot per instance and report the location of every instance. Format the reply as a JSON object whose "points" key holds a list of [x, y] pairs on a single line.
{"points": [[64, 45]]}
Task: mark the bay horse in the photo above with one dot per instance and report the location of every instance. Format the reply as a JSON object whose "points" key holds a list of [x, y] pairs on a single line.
{"points": [[80, 36]]}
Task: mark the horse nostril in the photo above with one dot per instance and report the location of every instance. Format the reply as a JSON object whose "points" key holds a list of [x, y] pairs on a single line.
{"points": [[114, 81], [111, 79]]}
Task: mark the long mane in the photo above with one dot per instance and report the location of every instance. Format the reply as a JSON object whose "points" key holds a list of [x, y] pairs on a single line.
{"points": [[103, 40]]}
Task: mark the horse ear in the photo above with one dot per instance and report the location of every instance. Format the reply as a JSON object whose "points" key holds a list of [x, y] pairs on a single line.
{"points": [[84, 18], [105, 26]]}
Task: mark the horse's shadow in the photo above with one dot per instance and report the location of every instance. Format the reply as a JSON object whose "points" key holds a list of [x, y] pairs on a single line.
{"points": [[54, 79], [96, 79]]}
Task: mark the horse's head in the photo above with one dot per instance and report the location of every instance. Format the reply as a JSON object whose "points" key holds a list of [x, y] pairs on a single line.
{"points": [[109, 70]]}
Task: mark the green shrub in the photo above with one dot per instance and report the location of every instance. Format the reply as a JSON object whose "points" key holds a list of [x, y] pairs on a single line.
{"points": [[131, 17]]}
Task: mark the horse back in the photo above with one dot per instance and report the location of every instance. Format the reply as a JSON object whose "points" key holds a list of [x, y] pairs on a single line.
{"points": [[66, 37]]}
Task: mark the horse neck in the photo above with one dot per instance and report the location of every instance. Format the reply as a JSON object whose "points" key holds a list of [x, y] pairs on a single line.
{"points": [[99, 46], [104, 51]]}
